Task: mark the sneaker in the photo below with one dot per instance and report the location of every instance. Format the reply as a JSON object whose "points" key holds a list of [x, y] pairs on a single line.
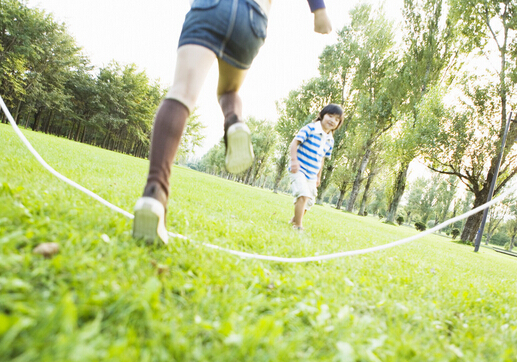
{"points": [[149, 221], [239, 151]]}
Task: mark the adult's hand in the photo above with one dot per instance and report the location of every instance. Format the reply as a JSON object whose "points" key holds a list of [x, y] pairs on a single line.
{"points": [[322, 23]]}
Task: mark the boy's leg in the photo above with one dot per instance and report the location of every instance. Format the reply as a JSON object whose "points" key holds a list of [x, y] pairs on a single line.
{"points": [[299, 210], [193, 64], [237, 138]]}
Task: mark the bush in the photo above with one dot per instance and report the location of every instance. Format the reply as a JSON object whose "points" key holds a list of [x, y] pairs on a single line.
{"points": [[400, 220], [500, 239], [455, 232], [420, 226]]}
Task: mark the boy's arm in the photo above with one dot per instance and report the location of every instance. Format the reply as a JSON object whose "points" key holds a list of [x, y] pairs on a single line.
{"points": [[293, 150], [318, 181], [322, 23]]}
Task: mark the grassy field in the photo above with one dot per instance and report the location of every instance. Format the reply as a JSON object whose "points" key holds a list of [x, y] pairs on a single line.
{"points": [[107, 297]]}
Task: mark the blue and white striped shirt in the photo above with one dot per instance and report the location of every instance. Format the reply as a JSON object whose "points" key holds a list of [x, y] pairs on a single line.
{"points": [[315, 144]]}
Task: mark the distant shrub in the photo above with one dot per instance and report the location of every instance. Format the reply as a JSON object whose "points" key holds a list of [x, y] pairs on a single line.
{"points": [[500, 239], [365, 213], [420, 226], [455, 232], [400, 220]]}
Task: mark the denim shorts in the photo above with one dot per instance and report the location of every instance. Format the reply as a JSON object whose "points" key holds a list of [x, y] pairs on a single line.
{"points": [[233, 29]]}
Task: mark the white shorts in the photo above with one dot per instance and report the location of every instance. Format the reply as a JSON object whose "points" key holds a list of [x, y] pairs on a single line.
{"points": [[301, 186]]}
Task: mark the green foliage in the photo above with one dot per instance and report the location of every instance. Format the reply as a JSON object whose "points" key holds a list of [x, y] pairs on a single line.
{"points": [[420, 226], [400, 220], [463, 242], [50, 86], [500, 239], [455, 233]]}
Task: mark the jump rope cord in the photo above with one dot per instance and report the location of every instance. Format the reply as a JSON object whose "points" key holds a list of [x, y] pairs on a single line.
{"points": [[250, 255]]}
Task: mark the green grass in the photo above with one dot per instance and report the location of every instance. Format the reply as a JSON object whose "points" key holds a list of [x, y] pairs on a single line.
{"points": [[116, 299]]}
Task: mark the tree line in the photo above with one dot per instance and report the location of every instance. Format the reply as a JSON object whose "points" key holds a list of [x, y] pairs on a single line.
{"points": [[411, 94], [50, 86]]}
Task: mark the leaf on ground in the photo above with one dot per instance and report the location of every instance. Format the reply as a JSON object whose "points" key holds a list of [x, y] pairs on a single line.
{"points": [[46, 249]]}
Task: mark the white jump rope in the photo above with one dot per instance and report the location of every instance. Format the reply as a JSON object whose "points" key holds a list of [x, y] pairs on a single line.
{"points": [[244, 254]]}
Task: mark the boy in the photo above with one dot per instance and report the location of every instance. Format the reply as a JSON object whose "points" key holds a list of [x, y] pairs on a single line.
{"points": [[310, 146]]}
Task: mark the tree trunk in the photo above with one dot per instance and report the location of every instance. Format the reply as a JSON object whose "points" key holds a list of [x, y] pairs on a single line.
{"points": [[49, 122], [280, 169], [106, 137], [340, 200], [44, 122], [247, 178], [78, 131], [83, 135], [264, 183], [365, 194], [37, 118], [342, 191], [325, 181], [358, 180], [17, 112], [474, 221], [399, 188]]}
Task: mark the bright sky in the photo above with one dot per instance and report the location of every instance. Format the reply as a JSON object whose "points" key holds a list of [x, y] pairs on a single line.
{"points": [[146, 33]]}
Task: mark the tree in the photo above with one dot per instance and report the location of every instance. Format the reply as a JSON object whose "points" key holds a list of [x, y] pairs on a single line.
{"points": [[374, 83], [264, 141], [192, 136], [213, 161], [511, 229], [464, 143], [428, 38], [496, 215], [482, 24]]}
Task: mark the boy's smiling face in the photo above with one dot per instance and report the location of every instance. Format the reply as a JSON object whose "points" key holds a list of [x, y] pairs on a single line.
{"points": [[330, 122]]}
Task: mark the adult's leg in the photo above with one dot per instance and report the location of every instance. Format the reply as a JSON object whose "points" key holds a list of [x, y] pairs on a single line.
{"points": [[193, 64], [237, 137], [230, 81]]}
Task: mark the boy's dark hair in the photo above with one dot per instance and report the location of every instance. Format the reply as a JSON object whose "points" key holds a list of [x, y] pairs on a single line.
{"points": [[331, 109]]}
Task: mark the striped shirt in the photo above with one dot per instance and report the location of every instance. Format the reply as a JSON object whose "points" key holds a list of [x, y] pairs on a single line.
{"points": [[315, 145]]}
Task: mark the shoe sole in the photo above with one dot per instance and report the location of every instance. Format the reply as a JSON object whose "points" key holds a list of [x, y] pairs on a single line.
{"points": [[239, 155], [148, 223]]}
